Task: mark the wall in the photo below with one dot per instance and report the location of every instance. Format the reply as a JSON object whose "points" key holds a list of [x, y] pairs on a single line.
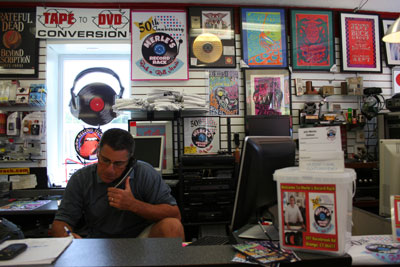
{"points": [[197, 84]]}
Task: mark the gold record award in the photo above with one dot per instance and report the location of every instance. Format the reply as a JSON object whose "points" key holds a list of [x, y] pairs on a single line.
{"points": [[207, 47]]}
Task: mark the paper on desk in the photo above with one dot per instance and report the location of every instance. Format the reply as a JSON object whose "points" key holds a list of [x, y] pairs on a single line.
{"points": [[374, 250], [39, 251]]}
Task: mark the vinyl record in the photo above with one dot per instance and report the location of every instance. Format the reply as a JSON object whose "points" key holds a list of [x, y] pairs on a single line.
{"points": [[207, 47], [95, 104], [159, 49]]}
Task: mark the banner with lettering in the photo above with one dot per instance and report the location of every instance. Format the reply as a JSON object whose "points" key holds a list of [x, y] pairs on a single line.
{"points": [[19, 48], [82, 23], [159, 45]]}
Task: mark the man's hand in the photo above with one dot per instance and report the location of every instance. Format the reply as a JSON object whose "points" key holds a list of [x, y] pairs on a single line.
{"points": [[121, 198]]}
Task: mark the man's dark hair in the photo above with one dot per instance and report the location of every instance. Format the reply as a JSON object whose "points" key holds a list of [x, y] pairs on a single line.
{"points": [[118, 139]]}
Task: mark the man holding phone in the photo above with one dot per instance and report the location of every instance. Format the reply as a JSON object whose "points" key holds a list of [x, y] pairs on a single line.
{"points": [[118, 196]]}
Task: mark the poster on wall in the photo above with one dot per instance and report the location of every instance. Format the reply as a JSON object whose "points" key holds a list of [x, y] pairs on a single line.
{"points": [[82, 23], [19, 47], [223, 92], [360, 40], [396, 80], [267, 92], [392, 49], [264, 38], [312, 40], [159, 45], [201, 135], [212, 37]]}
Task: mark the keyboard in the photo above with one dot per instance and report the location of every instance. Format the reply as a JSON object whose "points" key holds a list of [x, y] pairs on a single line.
{"points": [[210, 240]]}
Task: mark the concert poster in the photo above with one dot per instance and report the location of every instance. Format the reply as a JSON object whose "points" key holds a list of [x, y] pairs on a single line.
{"points": [[360, 37], [224, 92], [312, 40]]}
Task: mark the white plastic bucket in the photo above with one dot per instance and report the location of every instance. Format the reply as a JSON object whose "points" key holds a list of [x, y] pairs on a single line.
{"points": [[324, 201]]}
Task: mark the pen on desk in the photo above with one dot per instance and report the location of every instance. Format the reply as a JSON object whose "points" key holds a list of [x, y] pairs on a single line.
{"points": [[265, 231], [67, 231]]}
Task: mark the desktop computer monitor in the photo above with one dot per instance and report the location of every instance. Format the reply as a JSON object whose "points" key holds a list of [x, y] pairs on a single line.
{"points": [[150, 149], [389, 173], [271, 125], [256, 189]]}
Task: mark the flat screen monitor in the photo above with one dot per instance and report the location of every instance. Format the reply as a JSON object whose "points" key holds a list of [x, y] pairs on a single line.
{"points": [[389, 173], [256, 188], [273, 125], [150, 149]]}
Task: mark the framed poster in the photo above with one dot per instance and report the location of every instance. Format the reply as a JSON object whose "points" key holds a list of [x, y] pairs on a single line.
{"points": [[313, 41], [19, 47], [392, 49], [360, 41], [159, 45], [201, 135], [212, 37], [223, 92], [267, 92], [396, 80], [264, 38], [157, 128]]}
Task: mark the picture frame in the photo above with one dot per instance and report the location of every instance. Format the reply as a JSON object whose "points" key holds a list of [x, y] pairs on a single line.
{"points": [[201, 135], [159, 45], [157, 128], [263, 35], [20, 47], [360, 42], [396, 80], [223, 92], [392, 49], [212, 37], [268, 92], [312, 39]]}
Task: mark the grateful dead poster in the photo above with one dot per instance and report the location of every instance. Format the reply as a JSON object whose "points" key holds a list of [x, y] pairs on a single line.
{"points": [[201, 135], [159, 45], [223, 92], [312, 40]]}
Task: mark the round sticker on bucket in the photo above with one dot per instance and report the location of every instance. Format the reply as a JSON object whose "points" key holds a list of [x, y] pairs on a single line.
{"points": [[322, 216]]}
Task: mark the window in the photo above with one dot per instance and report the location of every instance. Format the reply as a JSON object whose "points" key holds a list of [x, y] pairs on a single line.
{"points": [[64, 63]]}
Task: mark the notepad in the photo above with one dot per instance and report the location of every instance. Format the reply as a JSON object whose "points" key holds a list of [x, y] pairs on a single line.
{"points": [[39, 251]]}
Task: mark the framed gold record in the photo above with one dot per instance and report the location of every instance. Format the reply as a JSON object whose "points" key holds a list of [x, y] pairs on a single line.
{"points": [[212, 37], [207, 47]]}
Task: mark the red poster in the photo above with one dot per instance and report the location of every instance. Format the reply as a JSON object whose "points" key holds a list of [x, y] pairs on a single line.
{"points": [[360, 39]]}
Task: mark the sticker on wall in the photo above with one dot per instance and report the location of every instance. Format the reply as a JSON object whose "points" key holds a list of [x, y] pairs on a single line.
{"points": [[86, 143]]}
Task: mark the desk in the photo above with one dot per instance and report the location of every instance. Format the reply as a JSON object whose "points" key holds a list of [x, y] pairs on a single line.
{"points": [[164, 252], [34, 223]]}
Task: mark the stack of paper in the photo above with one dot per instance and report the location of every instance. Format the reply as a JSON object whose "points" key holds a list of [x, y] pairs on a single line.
{"points": [[39, 251], [320, 149]]}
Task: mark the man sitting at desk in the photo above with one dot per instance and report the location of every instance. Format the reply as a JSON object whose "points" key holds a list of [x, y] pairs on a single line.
{"points": [[141, 206]]}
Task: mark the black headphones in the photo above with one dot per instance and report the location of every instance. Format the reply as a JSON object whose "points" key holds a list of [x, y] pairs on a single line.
{"points": [[93, 104]]}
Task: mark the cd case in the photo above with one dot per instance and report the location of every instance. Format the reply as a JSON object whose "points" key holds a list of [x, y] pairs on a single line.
{"points": [[212, 37]]}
